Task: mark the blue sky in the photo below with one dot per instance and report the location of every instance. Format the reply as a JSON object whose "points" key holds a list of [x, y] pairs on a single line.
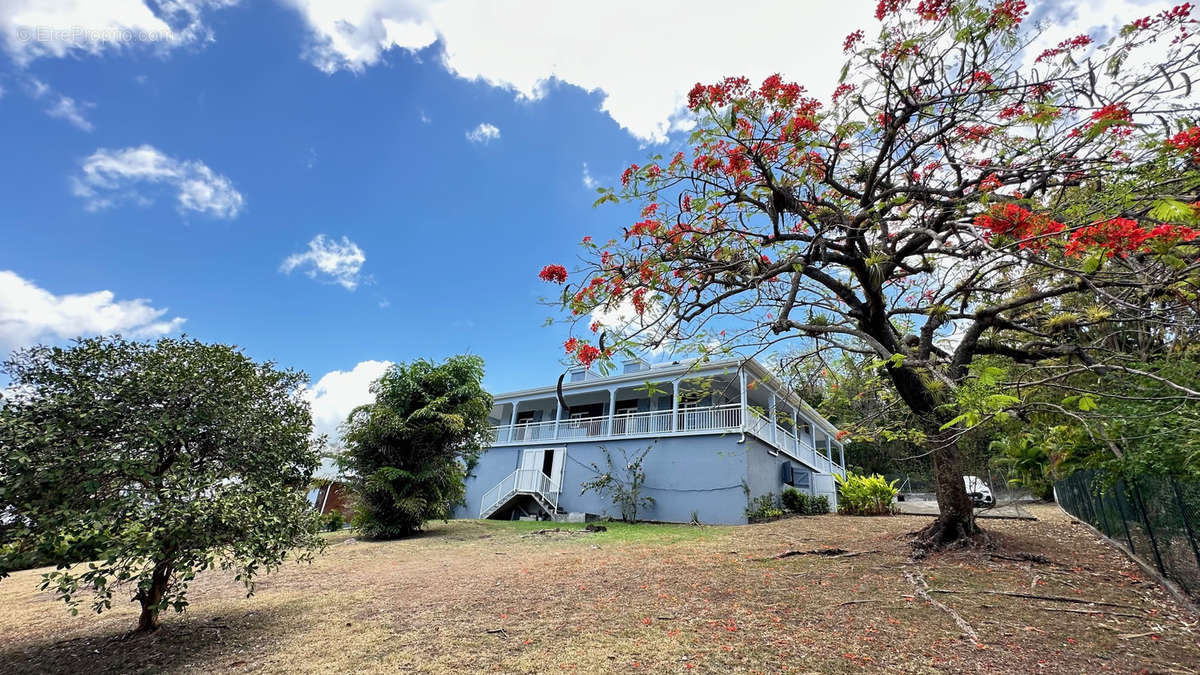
{"points": [[168, 166]]}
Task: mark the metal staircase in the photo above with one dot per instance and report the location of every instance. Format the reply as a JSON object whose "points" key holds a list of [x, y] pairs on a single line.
{"points": [[529, 482]]}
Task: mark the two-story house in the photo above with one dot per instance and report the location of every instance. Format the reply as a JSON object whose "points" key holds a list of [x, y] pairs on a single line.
{"points": [[719, 433]]}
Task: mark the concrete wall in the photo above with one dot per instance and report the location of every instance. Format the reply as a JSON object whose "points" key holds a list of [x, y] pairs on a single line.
{"points": [[684, 474], [707, 474]]}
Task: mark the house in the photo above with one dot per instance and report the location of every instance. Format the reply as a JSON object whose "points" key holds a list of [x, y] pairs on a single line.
{"points": [[719, 434], [329, 491]]}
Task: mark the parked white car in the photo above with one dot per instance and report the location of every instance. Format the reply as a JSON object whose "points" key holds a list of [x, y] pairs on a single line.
{"points": [[978, 491]]}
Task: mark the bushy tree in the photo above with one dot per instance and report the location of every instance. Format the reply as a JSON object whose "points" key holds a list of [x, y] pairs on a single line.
{"points": [[961, 208], [172, 457], [408, 452]]}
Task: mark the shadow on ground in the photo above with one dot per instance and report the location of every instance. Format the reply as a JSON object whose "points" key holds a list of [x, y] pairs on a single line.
{"points": [[181, 643]]}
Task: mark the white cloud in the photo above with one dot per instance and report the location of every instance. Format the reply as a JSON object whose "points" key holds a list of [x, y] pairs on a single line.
{"points": [[642, 57], [588, 182], [483, 134], [339, 391], [113, 176], [353, 34], [29, 313], [340, 262], [67, 109], [33, 29]]}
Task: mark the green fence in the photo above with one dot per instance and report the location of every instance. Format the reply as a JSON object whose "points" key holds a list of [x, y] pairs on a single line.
{"points": [[1157, 517]]}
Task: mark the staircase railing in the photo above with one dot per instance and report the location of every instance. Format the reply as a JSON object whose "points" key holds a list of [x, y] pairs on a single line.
{"points": [[522, 481]]}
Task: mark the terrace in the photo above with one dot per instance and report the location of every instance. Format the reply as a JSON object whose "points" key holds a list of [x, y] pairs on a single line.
{"points": [[730, 397]]}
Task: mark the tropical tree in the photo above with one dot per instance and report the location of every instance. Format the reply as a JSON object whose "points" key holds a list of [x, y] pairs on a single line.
{"points": [[962, 208], [408, 452], [172, 458]]}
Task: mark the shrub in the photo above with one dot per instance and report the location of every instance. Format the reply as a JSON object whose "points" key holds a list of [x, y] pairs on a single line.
{"points": [[333, 521], [795, 501], [866, 495], [763, 508], [818, 505]]}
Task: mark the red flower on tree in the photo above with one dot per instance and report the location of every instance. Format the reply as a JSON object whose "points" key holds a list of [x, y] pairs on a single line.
{"points": [[1030, 229], [553, 273], [1187, 142]]}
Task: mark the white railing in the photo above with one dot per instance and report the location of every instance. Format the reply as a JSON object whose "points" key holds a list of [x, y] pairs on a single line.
{"points": [[721, 418], [523, 481], [642, 423], [714, 418]]}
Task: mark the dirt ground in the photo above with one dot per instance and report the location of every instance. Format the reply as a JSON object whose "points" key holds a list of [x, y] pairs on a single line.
{"points": [[473, 596]]}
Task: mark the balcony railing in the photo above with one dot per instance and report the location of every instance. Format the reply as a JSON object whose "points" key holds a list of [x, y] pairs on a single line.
{"points": [[722, 418]]}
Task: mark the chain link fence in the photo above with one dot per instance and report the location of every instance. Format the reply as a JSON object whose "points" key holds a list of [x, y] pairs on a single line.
{"points": [[1157, 517]]}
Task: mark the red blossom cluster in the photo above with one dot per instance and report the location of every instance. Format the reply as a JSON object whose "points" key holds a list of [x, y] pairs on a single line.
{"points": [[1077, 42], [1113, 237], [934, 10], [1122, 236], [1009, 13], [1176, 15], [981, 77], [975, 133], [1029, 228], [1012, 111], [554, 273], [628, 174], [852, 40], [1116, 118], [718, 95], [583, 352], [990, 183], [841, 90], [1187, 142], [886, 7]]}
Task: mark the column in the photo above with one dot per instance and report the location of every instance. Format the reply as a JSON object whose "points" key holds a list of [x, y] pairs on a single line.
{"points": [[557, 416], [612, 405], [829, 453], [742, 381], [512, 426], [774, 433], [842, 457], [795, 428], [674, 406]]}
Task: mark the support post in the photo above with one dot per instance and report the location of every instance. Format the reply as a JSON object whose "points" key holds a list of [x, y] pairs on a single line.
{"points": [[774, 436], [796, 428], [557, 416], [842, 458], [829, 452], [512, 426], [612, 405], [742, 381], [674, 406]]}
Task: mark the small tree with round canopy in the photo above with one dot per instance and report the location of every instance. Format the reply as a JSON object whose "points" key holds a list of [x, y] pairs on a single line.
{"points": [[172, 457]]}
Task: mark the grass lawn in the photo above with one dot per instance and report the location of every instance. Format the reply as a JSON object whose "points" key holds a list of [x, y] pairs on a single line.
{"points": [[473, 596]]}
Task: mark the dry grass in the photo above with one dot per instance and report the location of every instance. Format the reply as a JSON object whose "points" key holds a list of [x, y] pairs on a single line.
{"points": [[655, 598]]}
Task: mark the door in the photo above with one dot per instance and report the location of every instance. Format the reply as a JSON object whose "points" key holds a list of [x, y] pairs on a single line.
{"points": [[539, 464], [529, 477]]}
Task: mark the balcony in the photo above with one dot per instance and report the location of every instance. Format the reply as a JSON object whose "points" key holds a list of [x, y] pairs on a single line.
{"points": [[718, 419]]}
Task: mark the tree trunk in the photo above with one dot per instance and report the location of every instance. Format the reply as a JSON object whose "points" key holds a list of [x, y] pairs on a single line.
{"points": [[150, 598], [956, 522]]}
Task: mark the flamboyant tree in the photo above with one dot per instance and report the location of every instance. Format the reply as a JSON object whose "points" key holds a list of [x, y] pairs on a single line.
{"points": [[962, 202]]}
